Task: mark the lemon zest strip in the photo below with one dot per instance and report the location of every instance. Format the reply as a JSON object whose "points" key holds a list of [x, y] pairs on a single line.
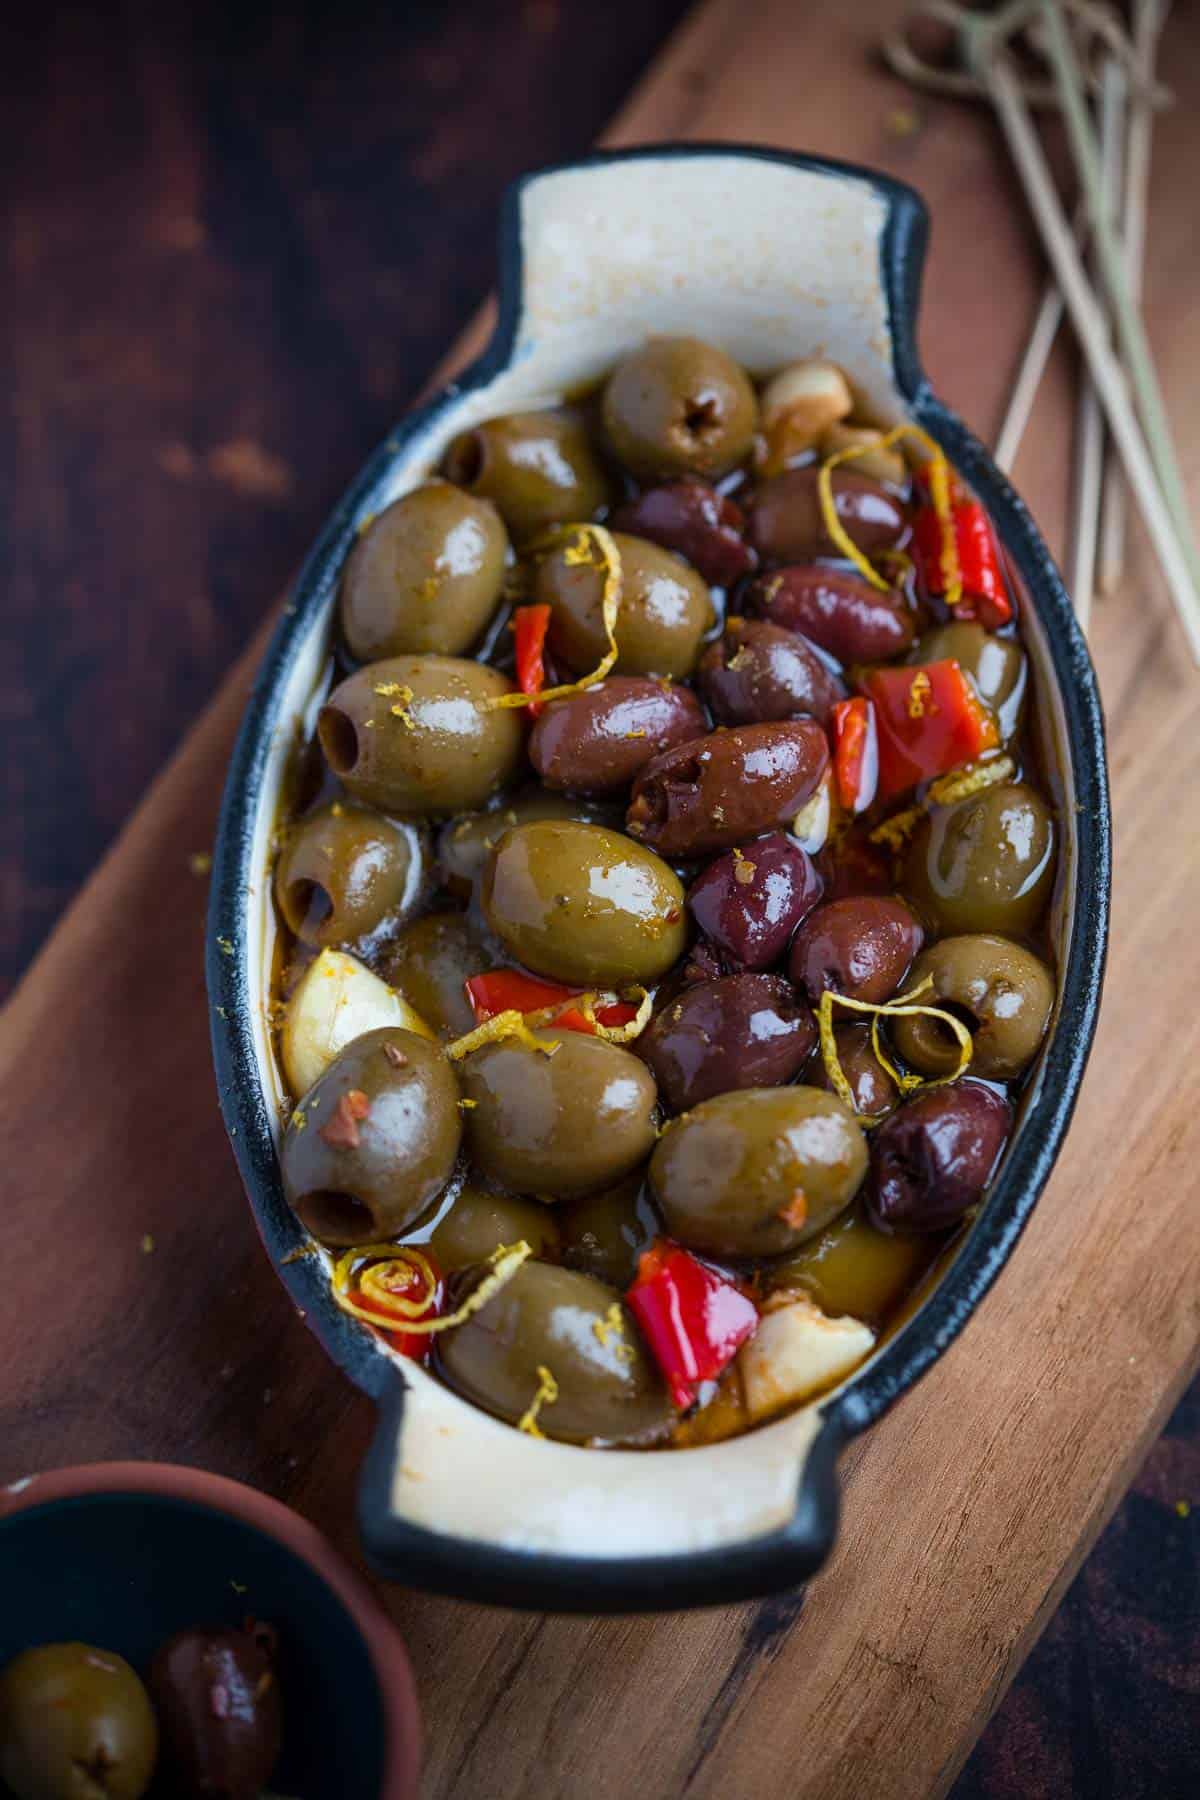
{"points": [[939, 494], [902, 1007], [505, 1260], [509, 1024], [575, 553], [971, 778], [547, 1394]]}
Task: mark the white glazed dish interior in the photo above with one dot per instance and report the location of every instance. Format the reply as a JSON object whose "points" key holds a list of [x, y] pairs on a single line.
{"points": [[771, 263]]}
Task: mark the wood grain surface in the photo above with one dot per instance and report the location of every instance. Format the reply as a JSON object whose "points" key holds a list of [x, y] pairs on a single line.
{"points": [[143, 1319]]}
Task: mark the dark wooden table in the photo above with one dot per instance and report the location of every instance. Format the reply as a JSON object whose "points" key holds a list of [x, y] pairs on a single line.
{"points": [[236, 242]]}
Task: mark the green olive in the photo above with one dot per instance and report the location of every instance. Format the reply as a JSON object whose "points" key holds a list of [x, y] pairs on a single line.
{"points": [[986, 864], [854, 1270], [558, 1125], [75, 1724], [477, 1222], [538, 468], [374, 1141], [418, 735], [584, 905], [757, 1172], [429, 963], [575, 1328], [677, 406], [604, 1234], [1005, 992], [996, 665], [426, 574], [463, 844], [345, 870], [664, 611]]}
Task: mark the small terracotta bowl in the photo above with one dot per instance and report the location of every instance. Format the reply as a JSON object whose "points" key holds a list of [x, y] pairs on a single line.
{"points": [[124, 1554]]}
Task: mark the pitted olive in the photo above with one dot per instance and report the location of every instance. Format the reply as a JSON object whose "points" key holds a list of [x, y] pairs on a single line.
{"points": [[678, 406], [537, 468], [1002, 991]]}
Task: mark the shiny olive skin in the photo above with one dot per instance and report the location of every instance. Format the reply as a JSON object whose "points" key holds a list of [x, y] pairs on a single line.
{"points": [[757, 672], [838, 610], [538, 469], [934, 1156], [546, 1318], [750, 901], [855, 1270], [67, 1710], [759, 1172], [604, 1234], [720, 790], [358, 1180], [786, 525], [986, 864], [427, 746], [425, 575], [873, 1089], [996, 665], [741, 1031], [677, 406], [1006, 991], [596, 741], [692, 519], [862, 947], [477, 1222], [429, 962], [558, 1125], [343, 871], [583, 905], [463, 844], [665, 608], [218, 1701]]}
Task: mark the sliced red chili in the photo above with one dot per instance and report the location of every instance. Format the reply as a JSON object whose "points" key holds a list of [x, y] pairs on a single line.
{"points": [[530, 625], [855, 753], [693, 1320], [511, 990], [984, 590]]}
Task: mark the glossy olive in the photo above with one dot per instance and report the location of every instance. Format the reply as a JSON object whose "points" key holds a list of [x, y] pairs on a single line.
{"points": [[596, 741], [787, 526], [720, 790], [537, 468], [218, 1701], [417, 735], [584, 905], [463, 844], [665, 608], [756, 671], [429, 962], [741, 1031], [374, 1140], [934, 1156], [996, 665], [873, 1089], [562, 1124], [862, 948], [758, 1172], [477, 1222], [604, 1234], [837, 610], [608, 1389], [1003, 991], [677, 406], [690, 517], [426, 574], [986, 864], [750, 901], [75, 1724], [344, 870], [855, 1270]]}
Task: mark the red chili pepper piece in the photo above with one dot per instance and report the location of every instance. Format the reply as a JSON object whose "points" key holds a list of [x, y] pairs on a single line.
{"points": [[510, 990], [693, 1319], [855, 753], [929, 720], [985, 593], [416, 1344], [530, 624]]}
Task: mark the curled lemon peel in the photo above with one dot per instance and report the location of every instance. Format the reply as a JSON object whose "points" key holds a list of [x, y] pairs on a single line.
{"points": [[618, 1034], [939, 494], [971, 778], [509, 1024], [547, 1394], [579, 540], [904, 1006], [505, 1260]]}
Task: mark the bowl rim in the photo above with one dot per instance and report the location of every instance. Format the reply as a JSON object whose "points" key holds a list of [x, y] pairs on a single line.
{"points": [[271, 1519]]}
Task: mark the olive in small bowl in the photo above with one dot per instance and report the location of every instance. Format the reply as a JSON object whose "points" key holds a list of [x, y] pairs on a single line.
{"points": [[997, 666], [217, 1696], [604, 1234], [596, 741], [344, 870], [986, 864], [933, 1157], [1002, 990], [75, 1722], [757, 671], [788, 526], [861, 947], [872, 1088], [836, 609], [664, 611], [854, 1269], [719, 790], [430, 963], [478, 1222], [741, 1031], [537, 468], [463, 844], [749, 902], [691, 518], [677, 406]]}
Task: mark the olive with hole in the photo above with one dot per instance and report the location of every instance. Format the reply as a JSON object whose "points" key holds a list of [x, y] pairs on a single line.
{"points": [[604, 1234], [872, 1088], [997, 666], [429, 963], [75, 1724], [537, 468], [757, 671], [344, 870], [584, 905], [722, 789], [690, 517], [554, 1125], [663, 611], [421, 735], [227, 1747], [741, 1031], [677, 406], [787, 524], [986, 864], [759, 1172], [374, 1141], [836, 609], [596, 741], [425, 575], [855, 1270], [749, 902], [860, 947], [934, 1156], [1003, 992], [606, 1387], [463, 844], [478, 1222]]}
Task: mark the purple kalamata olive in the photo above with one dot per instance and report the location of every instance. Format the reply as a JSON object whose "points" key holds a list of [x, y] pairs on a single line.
{"points": [[757, 671], [750, 901], [786, 523], [933, 1158], [837, 610], [720, 790], [595, 741], [862, 948], [217, 1698], [691, 518], [743, 1031], [873, 1089]]}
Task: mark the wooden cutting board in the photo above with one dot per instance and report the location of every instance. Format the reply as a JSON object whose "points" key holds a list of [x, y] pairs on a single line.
{"points": [[141, 1318]]}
